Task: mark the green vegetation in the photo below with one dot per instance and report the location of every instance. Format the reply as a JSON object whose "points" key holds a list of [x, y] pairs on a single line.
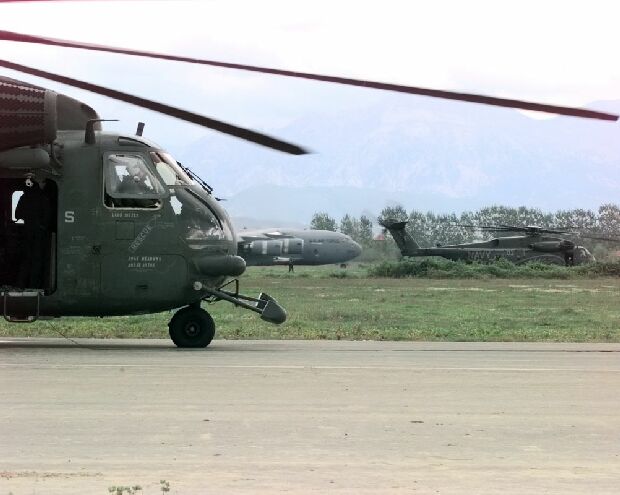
{"points": [[164, 487], [440, 268], [322, 221], [122, 490], [332, 303]]}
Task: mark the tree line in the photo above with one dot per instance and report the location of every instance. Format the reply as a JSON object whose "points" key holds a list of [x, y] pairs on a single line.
{"points": [[359, 229], [430, 229]]}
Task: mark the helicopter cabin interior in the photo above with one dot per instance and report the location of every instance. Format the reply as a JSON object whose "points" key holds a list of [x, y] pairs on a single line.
{"points": [[28, 233]]}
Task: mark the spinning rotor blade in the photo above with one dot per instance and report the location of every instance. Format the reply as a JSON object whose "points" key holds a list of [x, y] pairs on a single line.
{"points": [[24, 1], [516, 228], [232, 130], [534, 229], [481, 227], [493, 228], [449, 95], [600, 238]]}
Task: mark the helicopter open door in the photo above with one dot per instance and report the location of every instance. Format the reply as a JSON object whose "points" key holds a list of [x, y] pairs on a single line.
{"points": [[27, 245], [28, 234]]}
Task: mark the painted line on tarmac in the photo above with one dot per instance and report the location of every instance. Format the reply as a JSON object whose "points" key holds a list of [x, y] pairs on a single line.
{"points": [[307, 367]]}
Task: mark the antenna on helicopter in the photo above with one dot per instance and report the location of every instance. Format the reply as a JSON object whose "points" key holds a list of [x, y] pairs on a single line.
{"points": [[140, 129]]}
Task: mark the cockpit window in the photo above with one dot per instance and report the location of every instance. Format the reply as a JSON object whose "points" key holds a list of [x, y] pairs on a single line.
{"points": [[198, 222], [129, 182], [168, 169]]}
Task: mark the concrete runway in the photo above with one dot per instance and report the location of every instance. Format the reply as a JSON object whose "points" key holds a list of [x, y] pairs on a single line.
{"points": [[309, 417]]}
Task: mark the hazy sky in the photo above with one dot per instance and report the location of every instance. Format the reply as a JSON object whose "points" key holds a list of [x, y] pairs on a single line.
{"points": [[564, 52]]}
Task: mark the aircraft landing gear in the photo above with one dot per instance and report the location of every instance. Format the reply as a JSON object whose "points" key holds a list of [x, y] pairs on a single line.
{"points": [[191, 327]]}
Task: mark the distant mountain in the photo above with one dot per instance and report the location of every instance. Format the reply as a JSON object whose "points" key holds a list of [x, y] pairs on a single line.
{"points": [[269, 205], [422, 153]]}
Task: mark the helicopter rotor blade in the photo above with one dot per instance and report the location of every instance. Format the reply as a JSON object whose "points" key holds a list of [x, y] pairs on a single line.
{"points": [[559, 232], [600, 238], [571, 231], [449, 95], [533, 229], [217, 125], [467, 226], [517, 228], [493, 228]]}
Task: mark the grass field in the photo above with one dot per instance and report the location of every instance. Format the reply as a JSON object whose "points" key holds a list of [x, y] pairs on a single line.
{"points": [[327, 304]]}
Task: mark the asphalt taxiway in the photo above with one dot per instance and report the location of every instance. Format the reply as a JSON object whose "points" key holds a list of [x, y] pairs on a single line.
{"points": [[309, 417]]}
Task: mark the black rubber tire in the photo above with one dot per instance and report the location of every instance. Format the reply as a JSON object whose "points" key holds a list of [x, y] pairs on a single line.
{"points": [[191, 327]]}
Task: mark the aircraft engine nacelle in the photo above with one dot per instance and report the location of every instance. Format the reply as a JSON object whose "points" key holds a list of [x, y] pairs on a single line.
{"points": [[552, 246], [30, 115]]}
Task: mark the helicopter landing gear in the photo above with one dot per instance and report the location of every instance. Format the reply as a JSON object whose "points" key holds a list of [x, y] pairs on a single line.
{"points": [[191, 327]]}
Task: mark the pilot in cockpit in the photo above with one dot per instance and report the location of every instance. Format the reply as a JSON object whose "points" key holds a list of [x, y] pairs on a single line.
{"points": [[137, 183]]}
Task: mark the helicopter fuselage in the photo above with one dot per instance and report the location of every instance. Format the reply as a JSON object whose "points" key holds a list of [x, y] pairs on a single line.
{"points": [[113, 252], [517, 249]]}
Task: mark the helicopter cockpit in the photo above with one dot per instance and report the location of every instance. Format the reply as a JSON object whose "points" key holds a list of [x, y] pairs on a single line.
{"points": [[130, 183], [192, 203], [155, 181]]}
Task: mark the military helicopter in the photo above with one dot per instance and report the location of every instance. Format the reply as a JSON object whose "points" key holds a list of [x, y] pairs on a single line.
{"points": [[114, 225], [533, 246], [296, 247]]}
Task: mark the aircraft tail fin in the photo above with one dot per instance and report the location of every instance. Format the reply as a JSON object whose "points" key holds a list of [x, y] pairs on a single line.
{"points": [[405, 242]]}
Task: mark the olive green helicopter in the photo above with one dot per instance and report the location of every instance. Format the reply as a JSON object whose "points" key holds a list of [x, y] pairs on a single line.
{"points": [[534, 245], [95, 223]]}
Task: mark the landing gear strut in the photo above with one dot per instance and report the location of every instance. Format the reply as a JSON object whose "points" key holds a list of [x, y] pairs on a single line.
{"points": [[191, 327]]}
